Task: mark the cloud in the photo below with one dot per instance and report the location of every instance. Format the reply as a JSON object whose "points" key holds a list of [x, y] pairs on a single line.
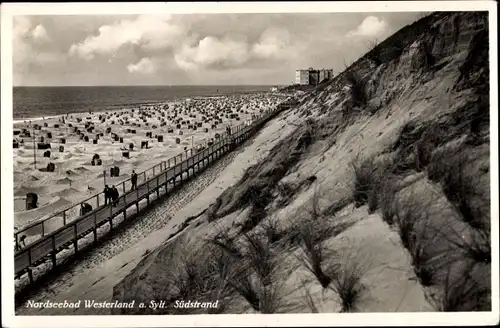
{"points": [[40, 34], [22, 26], [150, 32], [212, 52], [20, 31], [273, 43], [231, 52], [144, 66], [25, 41], [371, 26]]}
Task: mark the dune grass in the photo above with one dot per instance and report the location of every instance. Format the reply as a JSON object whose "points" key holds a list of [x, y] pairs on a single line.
{"points": [[250, 267], [413, 224], [387, 198], [358, 93], [470, 205], [460, 187], [373, 183], [227, 244], [374, 53], [364, 180], [346, 282], [314, 253], [462, 292]]}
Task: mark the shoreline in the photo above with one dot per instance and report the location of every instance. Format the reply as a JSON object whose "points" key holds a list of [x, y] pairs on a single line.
{"points": [[18, 120]]}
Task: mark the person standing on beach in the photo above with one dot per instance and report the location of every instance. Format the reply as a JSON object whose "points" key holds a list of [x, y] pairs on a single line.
{"points": [[134, 180]]}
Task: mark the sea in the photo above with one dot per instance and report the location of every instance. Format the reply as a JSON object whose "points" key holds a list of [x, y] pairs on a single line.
{"points": [[35, 102]]}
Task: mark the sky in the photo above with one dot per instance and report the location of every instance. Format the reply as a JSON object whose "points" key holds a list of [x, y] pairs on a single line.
{"points": [[191, 49]]}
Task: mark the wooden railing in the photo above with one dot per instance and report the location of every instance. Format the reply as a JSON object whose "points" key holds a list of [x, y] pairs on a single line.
{"points": [[47, 247]]}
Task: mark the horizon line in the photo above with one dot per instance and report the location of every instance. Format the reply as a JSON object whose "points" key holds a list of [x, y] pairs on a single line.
{"points": [[147, 85]]}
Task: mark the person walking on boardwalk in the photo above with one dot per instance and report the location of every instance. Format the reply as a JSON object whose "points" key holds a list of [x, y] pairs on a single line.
{"points": [[134, 180], [106, 195], [115, 195]]}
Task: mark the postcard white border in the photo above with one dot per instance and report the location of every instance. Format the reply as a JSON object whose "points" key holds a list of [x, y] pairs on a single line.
{"points": [[357, 319]]}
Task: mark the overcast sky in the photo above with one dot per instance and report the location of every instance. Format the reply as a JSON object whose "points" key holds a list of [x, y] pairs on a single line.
{"points": [[206, 49]]}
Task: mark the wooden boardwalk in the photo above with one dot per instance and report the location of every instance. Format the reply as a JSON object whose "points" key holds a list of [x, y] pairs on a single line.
{"points": [[49, 245]]}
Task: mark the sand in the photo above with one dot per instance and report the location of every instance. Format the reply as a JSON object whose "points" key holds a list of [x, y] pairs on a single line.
{"points": [[76, 179]]}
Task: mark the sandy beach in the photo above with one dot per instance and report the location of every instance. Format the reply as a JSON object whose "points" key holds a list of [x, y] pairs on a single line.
{"points": [[74, 140]]}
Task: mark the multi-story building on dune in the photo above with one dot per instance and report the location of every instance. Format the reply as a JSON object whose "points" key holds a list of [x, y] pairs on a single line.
{"points": [[312, 76]]}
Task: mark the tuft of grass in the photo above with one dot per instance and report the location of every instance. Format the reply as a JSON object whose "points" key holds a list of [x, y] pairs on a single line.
{"points": [[406, 217], [429, 58], [374, 53], [259, 256], [253, 274], [412, 220], [244, 284], [386, 199], [420, 253], [259, 201], [347, 284], [463, 292], [475, 245], [460, 189], [313, 252], [227, 244], [195, 276], [221, 266], [422, 152], [271, 300], [367, 176], [363, 180], [358, 91], [346, 279], [286, 189]]}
